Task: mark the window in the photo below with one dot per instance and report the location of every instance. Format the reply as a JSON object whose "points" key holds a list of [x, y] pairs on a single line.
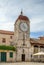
{"points": [[35, 49], [23, 44], [11, 37], [11, 54], [42, 48], [3, 40]]}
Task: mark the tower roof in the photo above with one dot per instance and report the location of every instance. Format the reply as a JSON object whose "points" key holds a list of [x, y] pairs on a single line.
{"points": [[22, 17]]}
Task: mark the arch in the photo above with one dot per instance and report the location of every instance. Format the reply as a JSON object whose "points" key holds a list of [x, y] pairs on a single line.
{"points": [[41, 46], [35, 45]]}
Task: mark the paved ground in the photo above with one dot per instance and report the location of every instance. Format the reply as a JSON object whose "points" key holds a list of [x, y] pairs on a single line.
{"points": [[22, 63]]}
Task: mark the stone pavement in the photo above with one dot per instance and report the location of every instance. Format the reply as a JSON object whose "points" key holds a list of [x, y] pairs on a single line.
{"points": [[22, 63]]}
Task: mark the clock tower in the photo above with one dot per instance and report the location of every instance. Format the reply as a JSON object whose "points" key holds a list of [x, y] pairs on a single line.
{"points": [[22, 38]]}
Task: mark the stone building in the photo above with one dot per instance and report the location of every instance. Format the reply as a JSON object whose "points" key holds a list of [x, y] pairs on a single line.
{"points": [[20, 38]]}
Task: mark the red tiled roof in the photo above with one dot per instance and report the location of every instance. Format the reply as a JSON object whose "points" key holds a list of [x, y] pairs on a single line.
{"points": [[36, 41], [6, 32], [21, 17]]}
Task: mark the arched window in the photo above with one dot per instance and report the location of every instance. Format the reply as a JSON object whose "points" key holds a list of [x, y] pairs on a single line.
{"points": [[35, 48], [42, 48]]}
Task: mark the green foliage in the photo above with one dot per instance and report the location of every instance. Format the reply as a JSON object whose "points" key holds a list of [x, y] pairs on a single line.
{"points": [[3, 47]]}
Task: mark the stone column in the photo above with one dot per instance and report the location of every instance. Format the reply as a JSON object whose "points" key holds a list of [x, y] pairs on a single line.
{"points": [[38, 51]]}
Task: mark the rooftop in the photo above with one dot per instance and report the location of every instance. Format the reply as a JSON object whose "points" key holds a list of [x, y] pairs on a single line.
{"points": [[6, 32]]}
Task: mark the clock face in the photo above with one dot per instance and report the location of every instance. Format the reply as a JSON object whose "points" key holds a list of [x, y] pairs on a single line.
{"points": [[23, 26]]}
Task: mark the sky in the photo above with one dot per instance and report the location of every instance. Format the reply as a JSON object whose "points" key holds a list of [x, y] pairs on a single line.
{"points": [[33, 9]]}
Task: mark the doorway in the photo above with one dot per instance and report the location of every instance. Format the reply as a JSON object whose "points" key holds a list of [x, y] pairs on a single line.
{"points": [[23, 57], [3, 56]]}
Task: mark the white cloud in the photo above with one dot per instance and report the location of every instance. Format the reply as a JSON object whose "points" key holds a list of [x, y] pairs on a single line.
{"points": [[7, 26], [37, 24], [10, 10]]}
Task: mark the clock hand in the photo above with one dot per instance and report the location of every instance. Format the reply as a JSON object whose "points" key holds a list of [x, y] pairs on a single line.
{"points": [[24, 26]]}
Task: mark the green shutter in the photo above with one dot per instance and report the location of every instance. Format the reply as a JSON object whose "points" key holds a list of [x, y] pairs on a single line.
{"points": [[11, 54], [3, 56]]}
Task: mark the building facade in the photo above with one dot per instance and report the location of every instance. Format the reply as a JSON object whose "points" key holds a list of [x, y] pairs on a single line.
{"points": [[20, 38]]}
